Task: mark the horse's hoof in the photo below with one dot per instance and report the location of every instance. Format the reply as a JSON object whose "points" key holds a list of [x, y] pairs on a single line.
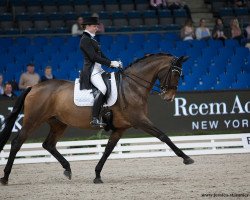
{"points": [[98, 180], [4, 181], [188, 161], [68, 174]]}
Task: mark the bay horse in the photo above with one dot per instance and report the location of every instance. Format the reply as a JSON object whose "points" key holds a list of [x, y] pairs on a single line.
{"points": [[52, 102]]}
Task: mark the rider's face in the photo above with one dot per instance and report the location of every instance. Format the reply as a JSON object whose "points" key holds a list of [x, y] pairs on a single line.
{"points": [[92, 28]]}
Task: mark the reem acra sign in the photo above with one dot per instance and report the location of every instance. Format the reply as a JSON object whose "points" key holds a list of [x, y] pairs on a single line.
{"points": [[214, 108], [230, 113]]}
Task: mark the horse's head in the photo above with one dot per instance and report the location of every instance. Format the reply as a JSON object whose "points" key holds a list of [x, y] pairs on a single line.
{"points": [[169, 78]]}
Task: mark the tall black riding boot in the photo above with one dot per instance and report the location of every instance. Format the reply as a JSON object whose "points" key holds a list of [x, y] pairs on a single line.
{"points": [[98, 102]]}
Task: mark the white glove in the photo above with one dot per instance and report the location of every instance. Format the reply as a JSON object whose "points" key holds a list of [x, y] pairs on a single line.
{"points": [[115, 64]]}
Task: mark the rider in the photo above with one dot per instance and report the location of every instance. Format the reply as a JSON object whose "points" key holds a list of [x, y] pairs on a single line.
{"points": [[93, 59]]}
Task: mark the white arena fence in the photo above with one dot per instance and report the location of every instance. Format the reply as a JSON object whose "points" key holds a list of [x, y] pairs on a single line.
{"points": [[133, 148]]}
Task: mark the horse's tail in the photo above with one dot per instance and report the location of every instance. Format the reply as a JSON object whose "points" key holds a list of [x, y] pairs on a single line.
{"points": [[11, 118]]}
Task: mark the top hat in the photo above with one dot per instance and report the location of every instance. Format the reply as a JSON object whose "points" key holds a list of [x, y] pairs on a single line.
{"points": [[91, 21]]}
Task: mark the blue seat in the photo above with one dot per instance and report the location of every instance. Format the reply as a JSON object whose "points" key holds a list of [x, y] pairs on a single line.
{"points": [[178, 52], [241, 11], [106, 40], [73, 75], [242, 51], [6, 42], [55, 16], [193, 52], [239, 85], [57, 41], [222, 86], [124, 39], [39, 16], [70, 16], [165, 17], [138, 38], [215, 43], [209, 52], [23, 41], [166, 45], [16, 49], [226, 52], [185, 87], [183, 45], [237, 61], [246, 68], [6, 16], [200, 44], [40, 41], [180, 16], [190, 81], [23, 17], [216, 70], [150, 47], [172, 27], [171, 36], [23, 58], [154, 37], [226, 11], [243, 78], [231, 43], [72, 41], [125, 29]]}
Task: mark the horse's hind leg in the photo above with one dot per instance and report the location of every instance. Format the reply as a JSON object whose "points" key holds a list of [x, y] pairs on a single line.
{"points": [[16, 144], [57, 129]]}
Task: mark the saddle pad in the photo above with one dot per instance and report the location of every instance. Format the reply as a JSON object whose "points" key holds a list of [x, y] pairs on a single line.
{"points": [[86, 98]]}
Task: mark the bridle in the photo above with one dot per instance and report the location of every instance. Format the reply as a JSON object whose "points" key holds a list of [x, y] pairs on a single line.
{"points": [[166, 83]]}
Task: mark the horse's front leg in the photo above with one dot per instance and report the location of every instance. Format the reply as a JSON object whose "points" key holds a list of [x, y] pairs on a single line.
{"points": [[113, 139], [147, 126]]}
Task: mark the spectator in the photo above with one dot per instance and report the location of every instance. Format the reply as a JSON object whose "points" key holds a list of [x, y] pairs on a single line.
{"points": [[247, 36], [77, 29], [236, 32], [29, 78], [240, 3], [187, 31], [101, 28], [202, 32], [47, 74], [218, 30], [177, 4], [158, 3], [8, 93], [1, 84]]}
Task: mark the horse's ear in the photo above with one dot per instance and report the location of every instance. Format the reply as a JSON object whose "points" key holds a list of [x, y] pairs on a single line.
{"points": [[183, 59]]}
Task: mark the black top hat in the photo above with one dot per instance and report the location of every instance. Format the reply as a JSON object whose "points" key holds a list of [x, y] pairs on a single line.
{"points": [[91, 21]]}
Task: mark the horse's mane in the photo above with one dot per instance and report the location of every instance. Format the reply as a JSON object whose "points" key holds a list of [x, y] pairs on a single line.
{"points": [[147, 56]]}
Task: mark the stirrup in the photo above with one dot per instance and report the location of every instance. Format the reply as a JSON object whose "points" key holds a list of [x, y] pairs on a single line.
{"points": [[97, 123]]}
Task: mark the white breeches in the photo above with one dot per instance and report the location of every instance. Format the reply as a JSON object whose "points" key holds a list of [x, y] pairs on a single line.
{"points": [[96, 78]]}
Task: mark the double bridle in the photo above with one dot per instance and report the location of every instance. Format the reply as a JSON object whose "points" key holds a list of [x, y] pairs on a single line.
{"points": [[166, 83]]}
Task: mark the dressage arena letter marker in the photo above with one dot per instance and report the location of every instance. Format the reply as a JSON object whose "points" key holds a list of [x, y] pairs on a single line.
{"points": [[17, 126]]}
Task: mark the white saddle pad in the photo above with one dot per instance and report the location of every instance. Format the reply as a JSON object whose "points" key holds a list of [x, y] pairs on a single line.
{"points": [[86, 98]]}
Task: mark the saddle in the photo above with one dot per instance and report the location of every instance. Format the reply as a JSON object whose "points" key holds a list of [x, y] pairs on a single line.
{"points": [[85, 97]]}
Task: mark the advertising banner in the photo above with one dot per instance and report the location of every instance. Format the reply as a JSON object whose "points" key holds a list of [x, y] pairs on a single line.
{"points": [[196, 112], [227, 111]]}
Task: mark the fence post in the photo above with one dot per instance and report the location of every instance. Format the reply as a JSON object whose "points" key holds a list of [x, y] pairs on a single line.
{"points": [[246, 141]]}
